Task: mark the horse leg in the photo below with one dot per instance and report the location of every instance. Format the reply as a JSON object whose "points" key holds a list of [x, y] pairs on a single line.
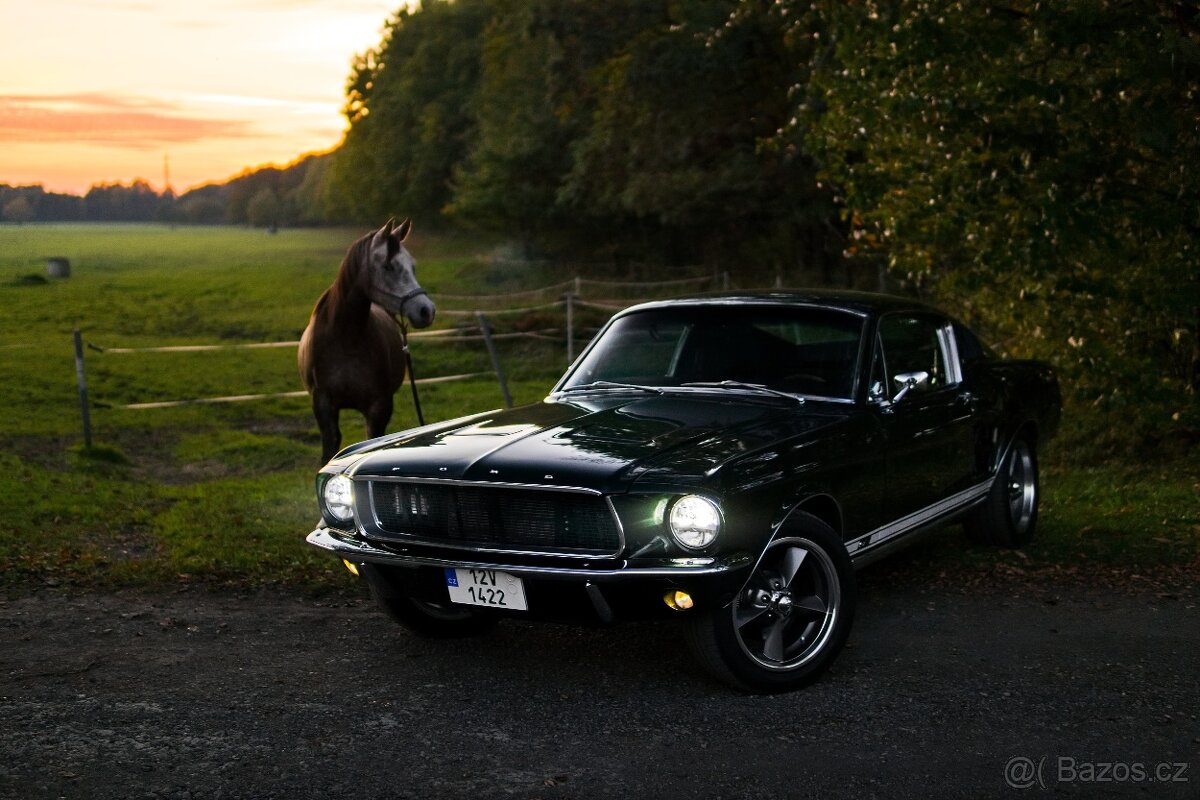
{"points": [[378, 415], [326, 412]]}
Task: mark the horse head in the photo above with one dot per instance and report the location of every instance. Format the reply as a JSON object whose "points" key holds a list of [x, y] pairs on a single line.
{"points": [[391, 275]]}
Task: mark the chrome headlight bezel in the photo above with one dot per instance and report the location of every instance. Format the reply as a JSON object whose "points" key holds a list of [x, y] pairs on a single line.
{"points": [[695, 521], [337, 498]]}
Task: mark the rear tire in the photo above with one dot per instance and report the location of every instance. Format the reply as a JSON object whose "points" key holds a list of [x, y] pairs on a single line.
{"points": [[422, 617], [1008, 517], [790, 621]]}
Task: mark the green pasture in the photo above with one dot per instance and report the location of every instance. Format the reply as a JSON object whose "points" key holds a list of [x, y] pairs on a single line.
{"points": [[223, 493], [200, 492]]}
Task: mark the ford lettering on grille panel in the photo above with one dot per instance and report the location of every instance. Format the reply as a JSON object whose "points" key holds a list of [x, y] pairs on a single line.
{"points": [[496, 518]]}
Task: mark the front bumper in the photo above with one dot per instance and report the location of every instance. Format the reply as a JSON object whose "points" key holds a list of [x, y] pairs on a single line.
{"points": [[619, 590]]}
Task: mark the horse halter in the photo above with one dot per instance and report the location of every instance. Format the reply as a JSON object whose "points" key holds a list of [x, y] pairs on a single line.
{"points": [[408, 359], [408, 362], [414, 293]]}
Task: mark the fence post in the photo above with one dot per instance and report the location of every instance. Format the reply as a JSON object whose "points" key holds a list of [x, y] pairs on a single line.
{"points": [[491, 348], [578, 286], [570, 327], [725, 280], [81, 381]]}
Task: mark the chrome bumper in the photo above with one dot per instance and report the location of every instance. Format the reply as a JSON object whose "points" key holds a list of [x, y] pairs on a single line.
{"points": [[355, 550]]}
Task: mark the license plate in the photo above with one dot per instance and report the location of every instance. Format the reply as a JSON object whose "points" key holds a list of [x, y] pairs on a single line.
{"points": [[486, 587]]}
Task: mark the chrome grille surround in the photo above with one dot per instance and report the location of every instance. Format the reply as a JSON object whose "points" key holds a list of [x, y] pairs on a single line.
{"points": [[525, 519]]}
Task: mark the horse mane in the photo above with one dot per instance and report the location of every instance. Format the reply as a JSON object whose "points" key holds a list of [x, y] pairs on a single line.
{"points": [[345, 284]]}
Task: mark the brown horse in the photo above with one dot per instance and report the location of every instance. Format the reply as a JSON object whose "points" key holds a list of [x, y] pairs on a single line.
{"points": [[352, 352]]}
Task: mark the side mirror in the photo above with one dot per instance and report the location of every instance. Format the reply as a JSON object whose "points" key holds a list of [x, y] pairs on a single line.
{"points": [[906, 382]]}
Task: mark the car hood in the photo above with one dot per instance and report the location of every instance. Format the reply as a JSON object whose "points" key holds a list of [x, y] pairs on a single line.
{"points": [[598, 442]]}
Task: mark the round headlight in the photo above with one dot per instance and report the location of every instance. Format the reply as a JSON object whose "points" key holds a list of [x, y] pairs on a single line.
{"points": [[339, 498], [695, 521]]}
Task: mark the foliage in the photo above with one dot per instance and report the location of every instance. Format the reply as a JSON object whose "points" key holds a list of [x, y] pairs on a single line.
{"points": [[678, 143], [1030, 165], [17, 210], [409, 104], [300, 190], [112, 202], [263, 210], [291, 195], [536, 97], [35, 203], [574, 126]]}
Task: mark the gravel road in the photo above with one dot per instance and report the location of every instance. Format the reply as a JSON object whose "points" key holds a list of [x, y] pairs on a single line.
{"points": [[193, 694]]}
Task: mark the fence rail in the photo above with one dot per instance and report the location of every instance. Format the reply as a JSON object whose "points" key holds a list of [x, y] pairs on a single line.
{"points": [[239, 398], [569, 298]]}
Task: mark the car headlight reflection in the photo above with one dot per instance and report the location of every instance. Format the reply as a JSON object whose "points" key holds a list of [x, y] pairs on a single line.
{"points": [[695, 521], [339, 498]]}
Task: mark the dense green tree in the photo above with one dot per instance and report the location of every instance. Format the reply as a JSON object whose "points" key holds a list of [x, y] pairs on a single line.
{"points": [[536, 98], [410, 107], [1031, 165], [242, 190], [264, 209], [200, 208], [18, 210], [681, 141], [115, 202], [307, 201]]}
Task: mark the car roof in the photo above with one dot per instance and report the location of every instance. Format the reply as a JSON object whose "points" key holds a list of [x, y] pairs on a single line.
{"points": [[868, 303]]}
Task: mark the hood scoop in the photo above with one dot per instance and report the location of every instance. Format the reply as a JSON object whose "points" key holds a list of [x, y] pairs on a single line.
{"points": [[487, 428]]}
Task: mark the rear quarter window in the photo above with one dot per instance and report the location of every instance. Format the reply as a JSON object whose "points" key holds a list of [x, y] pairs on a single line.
{"points": [[969, 347]]}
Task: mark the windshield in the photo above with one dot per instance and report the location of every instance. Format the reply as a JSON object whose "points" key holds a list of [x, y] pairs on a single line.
{"points": [[800, 350]]}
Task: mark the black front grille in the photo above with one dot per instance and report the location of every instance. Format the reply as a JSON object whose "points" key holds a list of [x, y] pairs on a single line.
{"points": [[496, 517]]}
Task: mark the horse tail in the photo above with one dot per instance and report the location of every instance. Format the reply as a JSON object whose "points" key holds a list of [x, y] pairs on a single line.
{"points": [[304, 360]]}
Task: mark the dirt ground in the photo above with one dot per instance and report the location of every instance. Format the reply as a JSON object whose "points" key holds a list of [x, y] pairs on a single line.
{"points": [[194, 694]]}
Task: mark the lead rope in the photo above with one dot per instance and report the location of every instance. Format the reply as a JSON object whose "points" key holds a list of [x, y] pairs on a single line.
{"points": [[412, 377]]}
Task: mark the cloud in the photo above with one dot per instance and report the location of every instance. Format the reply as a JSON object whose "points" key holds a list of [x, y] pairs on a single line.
{"points": [[108, 119]]}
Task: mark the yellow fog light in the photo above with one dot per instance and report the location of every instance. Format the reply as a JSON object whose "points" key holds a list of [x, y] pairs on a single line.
{"points": [[678, 600], [350, 566]]}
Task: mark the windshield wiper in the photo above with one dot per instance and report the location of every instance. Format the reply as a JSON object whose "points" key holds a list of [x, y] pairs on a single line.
{"points": [[756, 387], [612, 385]]}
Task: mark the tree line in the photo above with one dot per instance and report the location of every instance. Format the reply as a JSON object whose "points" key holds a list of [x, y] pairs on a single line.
{"points": [[263, 197], [1029, 166]]}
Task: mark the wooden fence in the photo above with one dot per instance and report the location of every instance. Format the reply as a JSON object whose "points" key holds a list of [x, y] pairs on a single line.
{"points": [[567, 296]]}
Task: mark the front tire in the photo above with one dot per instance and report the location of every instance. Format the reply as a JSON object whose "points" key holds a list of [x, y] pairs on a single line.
{"points": [[790, 621], [1008, 517], [422, 617]]}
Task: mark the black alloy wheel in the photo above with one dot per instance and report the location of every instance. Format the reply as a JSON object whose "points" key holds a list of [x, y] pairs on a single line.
{"points": [[791, 619]]}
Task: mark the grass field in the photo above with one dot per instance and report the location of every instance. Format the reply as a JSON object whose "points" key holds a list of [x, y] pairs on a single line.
{"points": [[204, 491], [223, 492]]}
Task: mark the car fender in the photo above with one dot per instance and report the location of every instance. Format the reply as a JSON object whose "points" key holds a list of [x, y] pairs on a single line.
{"points": [[802, 502]]}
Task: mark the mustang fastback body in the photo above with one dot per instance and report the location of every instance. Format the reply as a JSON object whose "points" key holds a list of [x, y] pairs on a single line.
{"points": [[726, 460]]}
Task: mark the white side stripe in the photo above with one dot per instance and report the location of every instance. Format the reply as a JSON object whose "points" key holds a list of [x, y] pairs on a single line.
{"points": [[918, 518]]}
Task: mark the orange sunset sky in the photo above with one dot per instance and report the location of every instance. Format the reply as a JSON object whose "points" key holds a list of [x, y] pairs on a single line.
{"points": [[94, 91]]}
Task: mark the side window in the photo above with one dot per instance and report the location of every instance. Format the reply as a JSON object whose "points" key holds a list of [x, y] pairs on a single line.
{"points": [[913, 346], [969, 346]]}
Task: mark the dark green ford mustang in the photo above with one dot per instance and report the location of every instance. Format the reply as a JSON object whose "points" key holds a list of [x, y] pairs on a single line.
{"points": [[727, 461]]}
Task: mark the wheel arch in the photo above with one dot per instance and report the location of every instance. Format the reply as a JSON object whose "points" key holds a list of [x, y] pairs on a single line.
{"points": [[822, 506], [1027, 430], [818, 505]]}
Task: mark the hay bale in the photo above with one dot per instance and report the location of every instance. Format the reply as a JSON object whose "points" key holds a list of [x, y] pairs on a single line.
{"points": [[58, 267]]}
